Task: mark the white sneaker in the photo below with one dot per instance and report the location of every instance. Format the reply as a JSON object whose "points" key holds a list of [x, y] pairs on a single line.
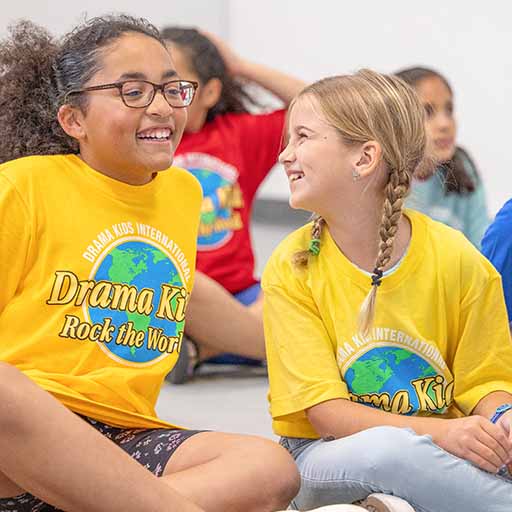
{"points": [[374, 503], [386, 503]]}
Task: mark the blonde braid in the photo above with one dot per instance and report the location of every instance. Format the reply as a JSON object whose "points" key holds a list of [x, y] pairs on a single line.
{"points": [[301, 258], [368, 106], [395, 192]]}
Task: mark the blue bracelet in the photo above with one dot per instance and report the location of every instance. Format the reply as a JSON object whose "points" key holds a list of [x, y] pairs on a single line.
{"points": [[500, 411]]}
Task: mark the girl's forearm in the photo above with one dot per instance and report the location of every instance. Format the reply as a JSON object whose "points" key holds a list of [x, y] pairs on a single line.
{"points": [[488, 405], [341, 418]]}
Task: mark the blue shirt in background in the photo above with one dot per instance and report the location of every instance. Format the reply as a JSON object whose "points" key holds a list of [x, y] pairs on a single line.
{"points": [[497, 247], [466, 212]]}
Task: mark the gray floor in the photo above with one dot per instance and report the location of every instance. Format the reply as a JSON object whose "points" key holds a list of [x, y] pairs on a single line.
{"points": [[227, 400]]}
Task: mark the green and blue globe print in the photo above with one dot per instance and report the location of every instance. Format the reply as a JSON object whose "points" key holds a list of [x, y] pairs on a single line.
{"points": [[211, 182], [388, 370], [144, 266]]}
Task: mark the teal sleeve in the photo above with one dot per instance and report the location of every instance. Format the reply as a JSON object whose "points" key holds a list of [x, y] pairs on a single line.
{"points": [[476, 215], [476, 218]]}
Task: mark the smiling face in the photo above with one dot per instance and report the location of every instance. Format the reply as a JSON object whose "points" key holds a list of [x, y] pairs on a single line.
{"points": [[317, 162], [440, 121], [130, 144]]}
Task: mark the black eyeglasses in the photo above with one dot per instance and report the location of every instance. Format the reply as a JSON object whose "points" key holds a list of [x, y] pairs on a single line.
{"points": [[141, 93]]}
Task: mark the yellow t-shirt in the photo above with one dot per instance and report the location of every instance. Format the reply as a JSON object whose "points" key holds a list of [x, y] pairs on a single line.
{"points": [[440, 341], [95, 278]]}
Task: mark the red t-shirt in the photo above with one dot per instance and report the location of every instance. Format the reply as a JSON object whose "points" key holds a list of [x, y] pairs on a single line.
{"points": [[230, 157]]}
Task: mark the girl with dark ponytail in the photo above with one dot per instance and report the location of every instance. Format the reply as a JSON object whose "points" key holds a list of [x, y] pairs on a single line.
{"points": [[230, 151], [97, 253], [453, 193]]}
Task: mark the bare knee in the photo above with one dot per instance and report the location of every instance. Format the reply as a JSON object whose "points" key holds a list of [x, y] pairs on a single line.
{"points": [[278, 477], [286, 482], [264, 475]]}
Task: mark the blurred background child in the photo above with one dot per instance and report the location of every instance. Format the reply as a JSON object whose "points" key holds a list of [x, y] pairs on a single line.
{"points": [[454, 193], [230, 151]]}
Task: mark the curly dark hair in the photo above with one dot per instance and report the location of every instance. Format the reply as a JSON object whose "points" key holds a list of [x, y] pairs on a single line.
{"points": [[460, 174], [37, 72], [208, 63]]}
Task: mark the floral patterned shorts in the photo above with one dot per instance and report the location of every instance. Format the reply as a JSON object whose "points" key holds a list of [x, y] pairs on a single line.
{"points": [[150, 447]]}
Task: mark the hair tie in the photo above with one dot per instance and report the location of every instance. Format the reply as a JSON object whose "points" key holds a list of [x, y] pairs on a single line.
{"points": [[376, 277], [314, 246]]}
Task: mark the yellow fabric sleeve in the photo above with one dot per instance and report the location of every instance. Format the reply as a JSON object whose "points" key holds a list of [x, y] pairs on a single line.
{"points": [[483, 360], [301, 356], [15, 240]]}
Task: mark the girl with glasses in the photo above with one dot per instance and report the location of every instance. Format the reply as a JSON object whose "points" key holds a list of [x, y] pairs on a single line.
{"points": [[230, 151], [97, 254], [388, 346]]}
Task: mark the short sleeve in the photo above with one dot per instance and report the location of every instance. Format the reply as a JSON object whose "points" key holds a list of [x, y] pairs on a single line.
{"points": [[301, 356], [483, 359], [15, 239]]}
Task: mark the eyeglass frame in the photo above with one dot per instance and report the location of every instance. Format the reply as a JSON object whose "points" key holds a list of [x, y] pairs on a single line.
{"points": [[156, 88]]}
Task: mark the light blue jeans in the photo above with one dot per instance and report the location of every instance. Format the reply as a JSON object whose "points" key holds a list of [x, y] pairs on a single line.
{"points": [[393, 461]]}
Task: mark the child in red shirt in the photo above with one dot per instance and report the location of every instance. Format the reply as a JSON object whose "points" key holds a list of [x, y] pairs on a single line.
{"points": [[230, 151]]}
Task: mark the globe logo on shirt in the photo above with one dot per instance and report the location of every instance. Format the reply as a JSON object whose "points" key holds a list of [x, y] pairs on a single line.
{"points": [[143, 266], [218, 218], [389, 370]]}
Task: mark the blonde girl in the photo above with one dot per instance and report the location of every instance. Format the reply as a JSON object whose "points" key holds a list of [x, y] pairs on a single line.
{"points": [[389, 352]]}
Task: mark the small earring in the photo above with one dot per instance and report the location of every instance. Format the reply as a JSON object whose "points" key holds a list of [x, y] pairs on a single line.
{"points": [[355, 175]]}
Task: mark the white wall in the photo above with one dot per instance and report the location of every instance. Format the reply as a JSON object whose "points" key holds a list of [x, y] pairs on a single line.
{"points": [[469, 41], [62, 15]]}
